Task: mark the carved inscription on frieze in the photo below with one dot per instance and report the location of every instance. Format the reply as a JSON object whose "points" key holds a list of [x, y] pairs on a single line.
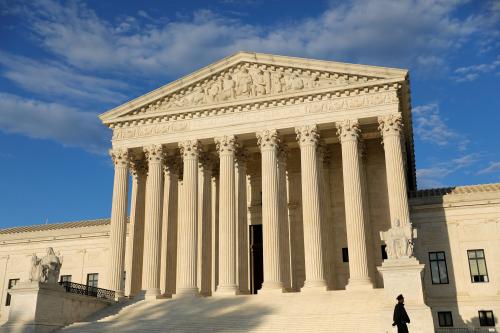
{"points": [[150, 130], [350, 103], [335, 104]]}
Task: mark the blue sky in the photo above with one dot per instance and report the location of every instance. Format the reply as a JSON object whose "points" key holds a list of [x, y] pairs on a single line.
{"points": [[63, 63]]}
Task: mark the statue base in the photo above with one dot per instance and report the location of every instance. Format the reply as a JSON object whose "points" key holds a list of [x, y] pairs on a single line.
{"points": [[404, 276], [45, 307]]}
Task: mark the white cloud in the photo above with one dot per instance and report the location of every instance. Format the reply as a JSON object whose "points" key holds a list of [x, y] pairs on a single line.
{"points": [[55, 79], [471, 73], [493, 167], [433, 176], [66, 125], [429, 126], [386, 32]]}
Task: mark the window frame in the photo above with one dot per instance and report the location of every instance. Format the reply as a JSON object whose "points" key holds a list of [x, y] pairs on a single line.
{"points": [[444, 322], [437, 261], [481, 319], [345, 255], [96, 280], [10, 285], [477, 266], [64, 278]]}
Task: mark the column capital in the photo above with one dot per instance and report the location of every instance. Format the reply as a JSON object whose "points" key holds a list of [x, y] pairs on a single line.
{"points": [[283, 152], [120, 157], [268, 139], [138, 166], [391, 124], [242, 155], [307, 135], [226, 144], [348, 130], [190, 149], [154, 153], [171, 164]]}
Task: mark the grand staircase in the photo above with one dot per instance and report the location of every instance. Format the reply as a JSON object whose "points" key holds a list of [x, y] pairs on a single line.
{"points": [[333, 311]]}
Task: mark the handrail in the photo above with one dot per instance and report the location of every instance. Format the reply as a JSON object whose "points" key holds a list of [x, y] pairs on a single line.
{"points": [[83, 289]]}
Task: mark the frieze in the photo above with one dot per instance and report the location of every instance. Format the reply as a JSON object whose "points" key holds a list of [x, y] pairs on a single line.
{"points": [[245, 115], [150, 130], [350, 103]]}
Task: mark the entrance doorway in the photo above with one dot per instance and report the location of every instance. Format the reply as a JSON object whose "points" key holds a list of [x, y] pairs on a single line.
{"points": [[256, 258]]}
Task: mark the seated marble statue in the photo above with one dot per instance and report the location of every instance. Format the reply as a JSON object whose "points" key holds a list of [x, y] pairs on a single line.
{"points": [[47, 268], [399, 240]]}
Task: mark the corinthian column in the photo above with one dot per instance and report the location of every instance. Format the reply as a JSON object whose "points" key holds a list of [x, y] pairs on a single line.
{"points": [[226, 146], [283, 218], [152, 230], [391, 128], [308, 137], [205, 224], [242, 222], [348, 132], [135, 244], [118, 221], [169, 226], [187, 228], [268, 141]]}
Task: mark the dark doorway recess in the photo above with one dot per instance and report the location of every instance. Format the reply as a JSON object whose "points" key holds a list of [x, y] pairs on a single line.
{"points": [[256, 258]]}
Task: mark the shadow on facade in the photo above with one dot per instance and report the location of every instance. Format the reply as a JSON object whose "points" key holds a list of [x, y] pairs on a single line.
{"points": [[189, 314]]}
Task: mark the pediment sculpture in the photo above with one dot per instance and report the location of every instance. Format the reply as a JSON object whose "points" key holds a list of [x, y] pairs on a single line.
{"points": [[249, 80], [399, 240], [47, 268]]}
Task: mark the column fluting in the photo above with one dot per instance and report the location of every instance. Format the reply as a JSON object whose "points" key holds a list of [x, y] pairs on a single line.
{"points": [[152, 228], [308, 137], [226, 146], [391, 128], [118, 221], [169, 226], [187, 246], [268, 142], [205, 167], [349, 133], [139, 169], [242, 221], [283, 218]]}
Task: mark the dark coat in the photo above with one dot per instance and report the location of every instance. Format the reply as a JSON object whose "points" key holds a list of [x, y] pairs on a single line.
{"points": [[400, 318]]}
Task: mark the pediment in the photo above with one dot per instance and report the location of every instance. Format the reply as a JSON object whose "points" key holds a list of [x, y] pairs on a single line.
{"points": [[244, 77]]}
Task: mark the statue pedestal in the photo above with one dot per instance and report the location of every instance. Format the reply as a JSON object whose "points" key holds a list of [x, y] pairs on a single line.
{"points": [[404, 276], [45, 307]]}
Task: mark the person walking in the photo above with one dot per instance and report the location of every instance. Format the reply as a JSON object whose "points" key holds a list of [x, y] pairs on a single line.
{"points": [[400, 317]]}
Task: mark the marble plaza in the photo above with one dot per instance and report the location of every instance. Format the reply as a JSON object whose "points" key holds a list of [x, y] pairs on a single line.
{"points": [[280, 187]]}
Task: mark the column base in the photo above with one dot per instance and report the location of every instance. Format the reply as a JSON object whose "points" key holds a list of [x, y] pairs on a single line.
{"points": [[359, 284], [152, 294], [226, 290], [314, 286], [187, 292]]}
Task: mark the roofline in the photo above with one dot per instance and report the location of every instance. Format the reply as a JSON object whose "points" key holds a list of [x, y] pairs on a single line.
{"points": [[248, 56]]}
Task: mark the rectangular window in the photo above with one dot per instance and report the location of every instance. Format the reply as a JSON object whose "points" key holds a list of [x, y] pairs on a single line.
{"points": [[445, 319], [383, 251], [439, 271], [345, 254], [477, 265], [92, 279], [65, 278], [486, 318], [12, 283]]}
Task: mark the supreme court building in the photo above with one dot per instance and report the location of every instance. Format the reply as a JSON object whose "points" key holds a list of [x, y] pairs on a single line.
{"points": [[293, 179]]}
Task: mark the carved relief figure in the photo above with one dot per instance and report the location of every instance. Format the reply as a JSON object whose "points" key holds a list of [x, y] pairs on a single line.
{"points": [[198, 96], [399, 240], [261, 83], [228, 86], [278, 82], [46, 269], [296, 82], [213, 93], [244, 85]]}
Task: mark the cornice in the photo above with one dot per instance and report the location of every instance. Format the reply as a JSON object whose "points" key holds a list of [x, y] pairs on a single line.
{"points": [[260, 59], [55, 226]]}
